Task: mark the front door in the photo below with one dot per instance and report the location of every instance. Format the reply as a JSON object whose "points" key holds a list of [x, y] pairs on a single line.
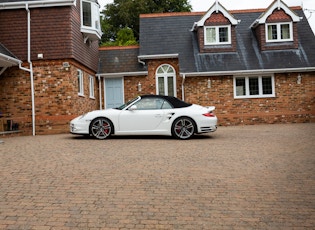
{"points": [[114, 95]]}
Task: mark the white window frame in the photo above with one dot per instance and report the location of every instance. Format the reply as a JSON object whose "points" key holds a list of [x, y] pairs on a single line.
{"points": [[279, 24], [95, 27], [80, 83], [91, 86], [165, 76], [217, 34], [260, 87]]}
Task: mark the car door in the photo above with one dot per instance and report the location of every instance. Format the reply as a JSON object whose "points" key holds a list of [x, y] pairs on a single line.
{"points": [[145, 116]]}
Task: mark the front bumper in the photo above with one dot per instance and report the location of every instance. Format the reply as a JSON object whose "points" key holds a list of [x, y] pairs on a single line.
{"points": [[79, 126]]}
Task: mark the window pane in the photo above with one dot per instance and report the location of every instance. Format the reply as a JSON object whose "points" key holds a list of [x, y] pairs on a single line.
{"points": [[87, 15], [210, 35], [267, 85], [79, 81], [272, 32], [170, 85], [240, 87], [223, 34], [147, 104], [161, 85], [253, 86], [166, 105], [285, 31]]}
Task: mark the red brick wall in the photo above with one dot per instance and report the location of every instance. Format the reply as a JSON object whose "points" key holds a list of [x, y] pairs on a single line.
{"points": [[148, 83], [55, 33], [293, 102], [56, 96]]}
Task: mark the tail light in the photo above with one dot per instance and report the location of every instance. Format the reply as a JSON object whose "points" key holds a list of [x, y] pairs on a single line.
{"points": [[209, 114]]}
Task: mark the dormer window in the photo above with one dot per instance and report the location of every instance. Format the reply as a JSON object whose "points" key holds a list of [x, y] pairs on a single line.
{"points": [[217, 35], [279, 32], [90, 20], [215, 31]]}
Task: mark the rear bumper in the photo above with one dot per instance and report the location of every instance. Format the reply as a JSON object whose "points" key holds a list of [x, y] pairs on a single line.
{"points": [[208, 129]]}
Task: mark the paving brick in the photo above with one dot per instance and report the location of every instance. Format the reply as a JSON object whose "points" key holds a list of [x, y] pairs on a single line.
{"points": [[244, 177]]}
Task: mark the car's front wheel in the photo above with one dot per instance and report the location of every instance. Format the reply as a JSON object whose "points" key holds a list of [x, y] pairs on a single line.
{"points": [[183, 128], [101, 128]]}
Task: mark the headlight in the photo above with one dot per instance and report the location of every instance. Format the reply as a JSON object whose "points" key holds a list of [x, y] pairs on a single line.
{"points": [[82, 116]]}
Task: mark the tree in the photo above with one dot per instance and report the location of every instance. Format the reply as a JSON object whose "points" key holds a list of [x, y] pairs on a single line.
{"points": [[123, 14], [125, 37]]}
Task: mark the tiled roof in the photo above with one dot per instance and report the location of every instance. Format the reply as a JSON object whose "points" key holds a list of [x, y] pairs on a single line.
{"points": [[5, 51], [119, 59], [171, 34]]}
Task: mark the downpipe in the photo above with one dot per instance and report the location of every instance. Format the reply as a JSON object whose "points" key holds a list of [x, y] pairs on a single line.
{"points": [[30, 69]]}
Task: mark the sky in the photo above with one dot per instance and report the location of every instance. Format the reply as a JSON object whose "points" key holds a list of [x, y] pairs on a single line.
{"points": [[204, 5]]}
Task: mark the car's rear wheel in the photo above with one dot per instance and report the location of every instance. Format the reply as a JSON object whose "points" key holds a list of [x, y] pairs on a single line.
{"points": [[101, 128], [183, 128]]}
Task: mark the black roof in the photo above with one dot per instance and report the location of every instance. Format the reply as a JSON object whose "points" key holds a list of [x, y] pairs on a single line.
{"points": [[172, 35], [120, 59], [5, 51], [174, 101]]}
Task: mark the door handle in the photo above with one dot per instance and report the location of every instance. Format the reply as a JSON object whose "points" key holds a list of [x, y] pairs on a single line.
{"points": [[169, 115]]}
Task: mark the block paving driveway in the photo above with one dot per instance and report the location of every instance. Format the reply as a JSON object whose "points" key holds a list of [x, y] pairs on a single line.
{"points": [[244, 177]]}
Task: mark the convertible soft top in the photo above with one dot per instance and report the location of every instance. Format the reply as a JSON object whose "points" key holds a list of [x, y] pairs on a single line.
{"points": [[175, 102]]}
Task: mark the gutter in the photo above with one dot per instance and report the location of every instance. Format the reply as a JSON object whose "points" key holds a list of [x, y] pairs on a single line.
{"points": [[157, 56], [248, 72], [10, 60], [36, 4], [122, 74]]}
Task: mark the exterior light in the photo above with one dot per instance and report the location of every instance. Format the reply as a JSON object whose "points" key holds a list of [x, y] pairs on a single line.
{"points": [[209, 83]]}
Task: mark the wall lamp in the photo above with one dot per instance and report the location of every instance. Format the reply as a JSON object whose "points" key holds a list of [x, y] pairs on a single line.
{"points": [[139, 87], [209, 83], [299, 79]]}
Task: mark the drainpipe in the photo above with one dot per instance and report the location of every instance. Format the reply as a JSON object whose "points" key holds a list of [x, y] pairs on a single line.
{"points": [[100, 90], [30, 70], [183, 88]]}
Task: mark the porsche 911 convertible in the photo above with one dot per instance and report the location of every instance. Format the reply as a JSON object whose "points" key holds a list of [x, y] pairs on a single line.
{"points": [[148, 115]]}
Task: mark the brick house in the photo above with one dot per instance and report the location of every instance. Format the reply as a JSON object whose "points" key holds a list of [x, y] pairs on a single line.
{"points": [[48, 61], [256, 66]]}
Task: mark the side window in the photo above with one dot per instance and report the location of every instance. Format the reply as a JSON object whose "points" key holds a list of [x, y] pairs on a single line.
{"points": [[80, 82], [152, 103], [91, 84], [254, 87]]}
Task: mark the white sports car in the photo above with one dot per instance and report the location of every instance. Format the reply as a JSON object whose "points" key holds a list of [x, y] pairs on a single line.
{"points": [[148, 115]]}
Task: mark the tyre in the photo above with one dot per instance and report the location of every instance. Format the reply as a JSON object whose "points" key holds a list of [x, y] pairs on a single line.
{"points": [[101, 128], [183, 128]]}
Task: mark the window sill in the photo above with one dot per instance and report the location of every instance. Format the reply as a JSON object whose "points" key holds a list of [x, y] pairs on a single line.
{"points": [[254, 97], [81, 95]]}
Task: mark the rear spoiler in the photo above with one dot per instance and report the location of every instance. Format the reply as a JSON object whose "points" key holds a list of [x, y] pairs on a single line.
{"points": [[210, 108]]}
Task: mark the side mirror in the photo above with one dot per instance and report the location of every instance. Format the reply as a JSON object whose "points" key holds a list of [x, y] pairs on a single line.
{"points": [[132, 108]]}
